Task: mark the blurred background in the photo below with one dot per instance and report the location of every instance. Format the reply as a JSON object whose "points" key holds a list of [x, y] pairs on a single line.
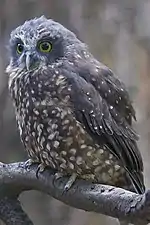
{"points": [[118, 34]]}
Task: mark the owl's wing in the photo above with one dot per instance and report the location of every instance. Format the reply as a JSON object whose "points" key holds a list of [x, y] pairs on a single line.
{"points": [[107, 120]]}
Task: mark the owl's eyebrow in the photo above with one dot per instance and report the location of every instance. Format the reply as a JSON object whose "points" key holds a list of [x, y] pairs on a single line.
{"points": [[48, 37], [16, 40], [45, 38]]}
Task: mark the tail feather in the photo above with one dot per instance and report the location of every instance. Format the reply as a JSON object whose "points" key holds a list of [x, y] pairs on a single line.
{"points": [[137, 182]]}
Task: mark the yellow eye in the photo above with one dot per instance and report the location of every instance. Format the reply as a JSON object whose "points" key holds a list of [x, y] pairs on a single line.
{"points": [[20, 48], [45, 47]]}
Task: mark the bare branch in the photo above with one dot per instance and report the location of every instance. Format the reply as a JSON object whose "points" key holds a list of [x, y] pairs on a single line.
{"points": [[108, 200]]}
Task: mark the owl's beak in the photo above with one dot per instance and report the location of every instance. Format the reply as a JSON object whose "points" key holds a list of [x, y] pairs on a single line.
{"points": [[29, 60]]}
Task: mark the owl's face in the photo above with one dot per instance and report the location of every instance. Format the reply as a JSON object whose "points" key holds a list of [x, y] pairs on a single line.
{"points": [[39, 42]]}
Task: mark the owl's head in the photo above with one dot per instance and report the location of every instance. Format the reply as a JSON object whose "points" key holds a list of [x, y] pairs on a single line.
{"points": [[39, 41]]}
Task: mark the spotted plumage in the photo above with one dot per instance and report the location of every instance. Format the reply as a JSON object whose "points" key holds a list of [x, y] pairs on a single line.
{"points": [[73, 114]]}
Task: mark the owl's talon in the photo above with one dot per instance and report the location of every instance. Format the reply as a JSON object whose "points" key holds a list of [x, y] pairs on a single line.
{"points": [[40, 169], [57, 176], [29, 163], [70, 182]]}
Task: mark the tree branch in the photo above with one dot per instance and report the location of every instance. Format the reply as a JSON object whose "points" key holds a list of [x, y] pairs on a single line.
{"points": [[116, 202]]}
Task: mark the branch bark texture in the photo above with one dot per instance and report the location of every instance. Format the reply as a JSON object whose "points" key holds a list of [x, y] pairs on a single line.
{"points": [[116, 202]]}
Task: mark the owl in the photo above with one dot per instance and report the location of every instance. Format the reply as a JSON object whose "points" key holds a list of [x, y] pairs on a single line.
{"points": [[73, 114]]}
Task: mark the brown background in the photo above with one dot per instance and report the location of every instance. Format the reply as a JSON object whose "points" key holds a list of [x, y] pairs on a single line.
{"points": [[118, 33]]}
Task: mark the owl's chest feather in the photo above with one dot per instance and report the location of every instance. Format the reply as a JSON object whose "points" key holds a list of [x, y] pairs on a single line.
{"points": [[41, 105]]}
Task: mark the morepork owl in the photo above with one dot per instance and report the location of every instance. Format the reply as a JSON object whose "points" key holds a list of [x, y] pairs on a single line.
{"points": [[73, 114]]}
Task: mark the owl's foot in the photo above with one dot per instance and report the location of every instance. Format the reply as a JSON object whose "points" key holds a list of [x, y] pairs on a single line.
{"points": [[40, 169], [29, 163], [70, 182], [57, 176]]}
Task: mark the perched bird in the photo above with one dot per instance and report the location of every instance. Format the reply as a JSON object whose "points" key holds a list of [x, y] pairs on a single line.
{"points": [[73, 114]]}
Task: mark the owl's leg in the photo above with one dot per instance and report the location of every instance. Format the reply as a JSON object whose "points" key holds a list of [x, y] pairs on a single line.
{"points": [[29, 163], [40, 169], [70, 182], [57, 176]]}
